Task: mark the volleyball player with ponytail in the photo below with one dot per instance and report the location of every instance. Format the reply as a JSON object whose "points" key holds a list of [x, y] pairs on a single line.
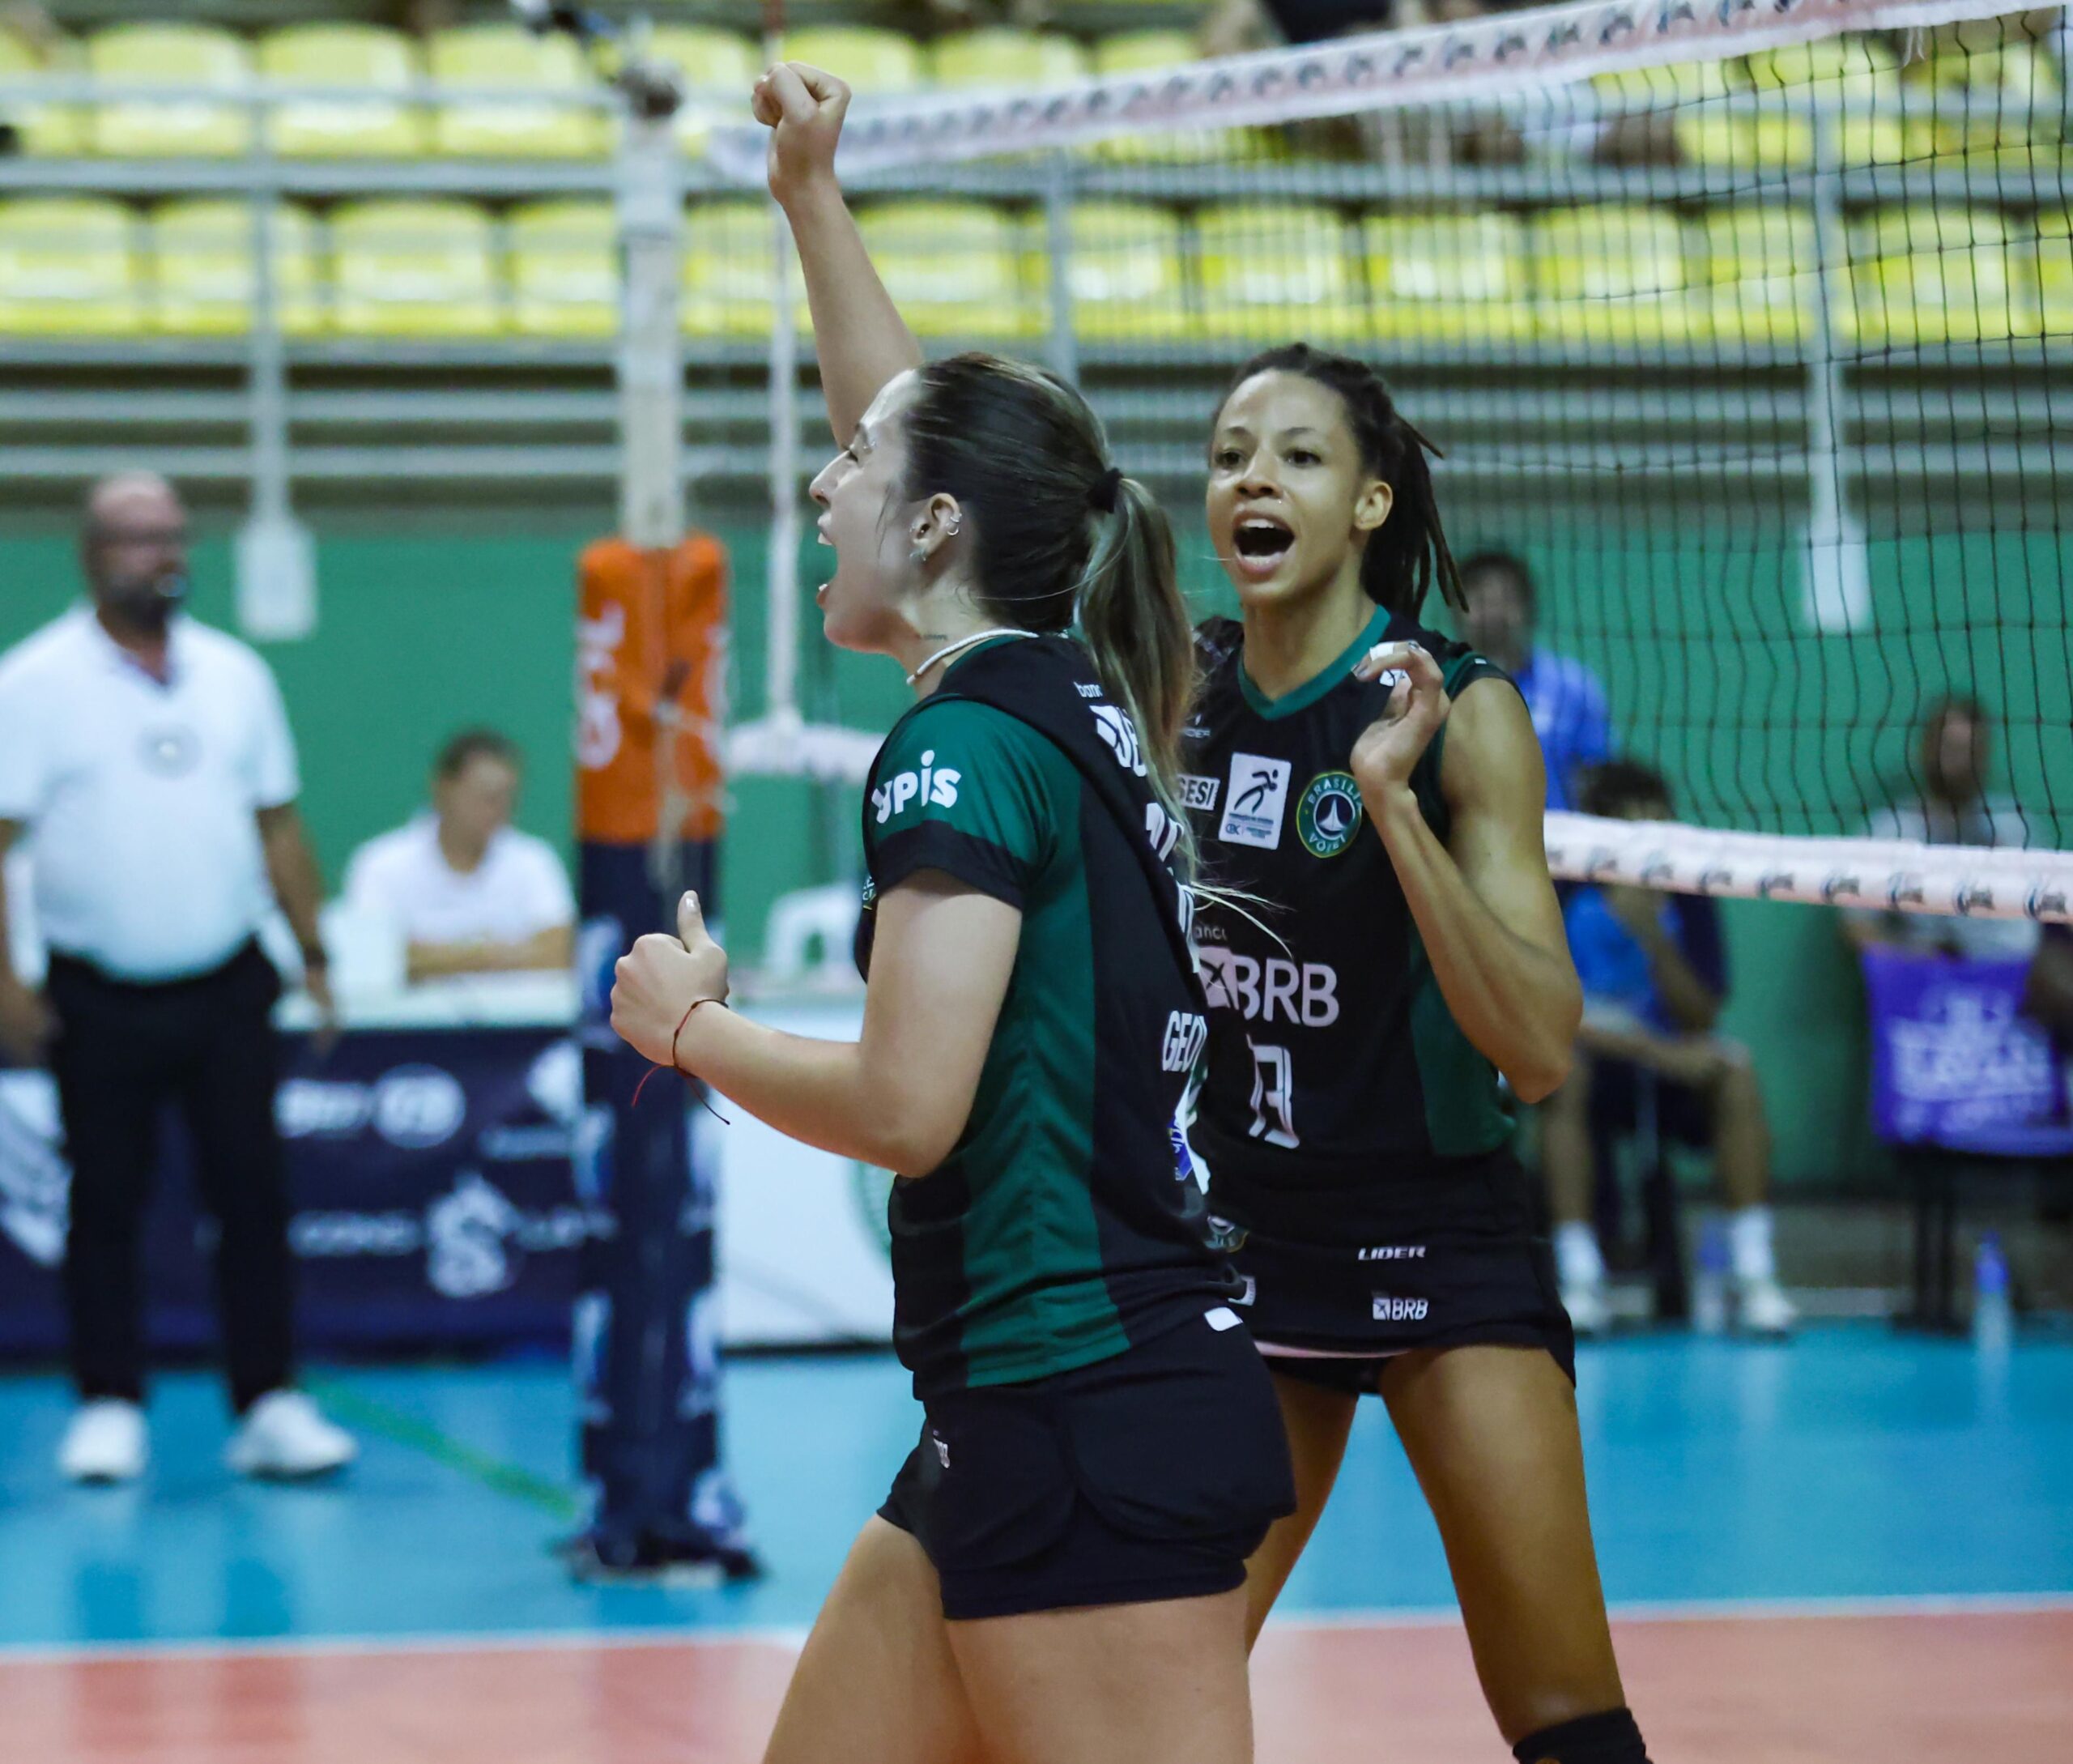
{"points": [[1380, 788], [1057, 1575]]}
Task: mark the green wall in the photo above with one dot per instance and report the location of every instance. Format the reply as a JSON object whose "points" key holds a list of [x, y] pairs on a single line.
{"points": [[431, 619]]}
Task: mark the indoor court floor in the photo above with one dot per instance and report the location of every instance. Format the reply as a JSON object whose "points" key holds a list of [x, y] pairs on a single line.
{"points": [[1856, 1547]]}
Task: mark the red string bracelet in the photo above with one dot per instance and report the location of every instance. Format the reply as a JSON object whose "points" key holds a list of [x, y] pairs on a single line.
{"points": [[653, 1067]]}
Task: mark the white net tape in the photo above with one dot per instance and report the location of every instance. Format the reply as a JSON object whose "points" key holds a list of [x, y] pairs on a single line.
{"points": [[1481, 59]]}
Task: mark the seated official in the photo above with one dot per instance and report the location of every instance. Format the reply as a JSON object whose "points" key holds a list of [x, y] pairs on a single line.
{"points": [[1654, 973], [465, 890]]}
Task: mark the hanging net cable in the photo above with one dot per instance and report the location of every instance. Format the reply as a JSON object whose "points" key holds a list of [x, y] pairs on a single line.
{"points": [[1745, 331]]}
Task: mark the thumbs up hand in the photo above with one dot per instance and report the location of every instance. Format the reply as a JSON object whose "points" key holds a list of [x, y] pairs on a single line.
{"points": [[662, 977]]}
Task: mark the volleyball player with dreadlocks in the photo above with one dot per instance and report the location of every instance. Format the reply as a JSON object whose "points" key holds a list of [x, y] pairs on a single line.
{"points": [[1378, 790]]}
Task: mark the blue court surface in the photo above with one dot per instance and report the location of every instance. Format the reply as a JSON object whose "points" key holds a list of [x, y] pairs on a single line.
{"points": [[1855, 1472]]}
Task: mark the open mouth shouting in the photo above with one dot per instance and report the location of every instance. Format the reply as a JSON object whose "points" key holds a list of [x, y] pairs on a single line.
{"points": [[1259, 542]]}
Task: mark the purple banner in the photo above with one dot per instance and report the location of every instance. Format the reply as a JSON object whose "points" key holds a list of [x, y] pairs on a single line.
{"points": [[434, 1201], [1956, 1064]]}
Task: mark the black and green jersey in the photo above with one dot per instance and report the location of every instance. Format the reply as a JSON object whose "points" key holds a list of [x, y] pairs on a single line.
{"points": [[1333, 1059], [1064, 1227]]}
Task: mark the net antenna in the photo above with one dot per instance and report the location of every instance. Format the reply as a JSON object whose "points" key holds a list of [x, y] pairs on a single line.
{"points": [[1805, 355]]}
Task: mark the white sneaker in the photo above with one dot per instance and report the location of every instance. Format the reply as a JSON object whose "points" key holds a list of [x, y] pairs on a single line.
{"points": [[1590, 1311], [106, 1442], [1762, 1309], [283, 1434]]}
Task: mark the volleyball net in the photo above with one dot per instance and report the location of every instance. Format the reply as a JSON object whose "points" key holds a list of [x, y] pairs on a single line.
{"points": [[1747, 329]]}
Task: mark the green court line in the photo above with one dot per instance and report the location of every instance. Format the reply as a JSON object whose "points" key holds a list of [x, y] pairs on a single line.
{"points": [[372, 1416]]}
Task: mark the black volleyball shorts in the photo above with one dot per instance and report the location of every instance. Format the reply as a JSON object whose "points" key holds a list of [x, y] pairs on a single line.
{"points": [[1149, 1476]]}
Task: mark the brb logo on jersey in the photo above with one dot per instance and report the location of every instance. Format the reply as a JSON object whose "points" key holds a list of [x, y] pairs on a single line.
{"points": [[1328, 815], [1254, 801], [925, 786]]}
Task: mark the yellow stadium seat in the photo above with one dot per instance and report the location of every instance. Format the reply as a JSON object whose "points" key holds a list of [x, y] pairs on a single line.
{"points": [[188, 55], [1279, 271], [424, 268], [202, 264], [2045, 264], [727, 271], [1762, 277], [1125, 271], [951, 268], [564, 269], [1987, 100], [866, 60], [68, 267], [1148, 51], [377, 60], [49, 131], [1859, 71], [717, 69], [1935, 275], [508, 58], [1447, 277], [1613, 274], [1698, 98], [1002, 57]]}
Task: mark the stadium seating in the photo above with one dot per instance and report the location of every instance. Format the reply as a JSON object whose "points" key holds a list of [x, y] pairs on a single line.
{"points": [[185, 55], [1447, 277], [1611, 275], [1126, 271], [1003, 57], [2045, 266], [69, 266], [1274, 271], [1762, 279], [1697, 97], [345, 55], [717, 69], [507, 57], [950, 267], [49, 131], [727, 259], [564, 269], [868, 60], [1860, 70], [202, 265], [1929, 276], [424, 268], [1143, 52]]}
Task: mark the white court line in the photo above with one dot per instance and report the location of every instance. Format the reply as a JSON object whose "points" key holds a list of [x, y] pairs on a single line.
{"points": [[791, 1637]]}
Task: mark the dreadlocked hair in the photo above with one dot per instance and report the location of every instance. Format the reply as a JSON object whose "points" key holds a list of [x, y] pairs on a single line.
{"points": [[1060, 538], [1408, 555]]}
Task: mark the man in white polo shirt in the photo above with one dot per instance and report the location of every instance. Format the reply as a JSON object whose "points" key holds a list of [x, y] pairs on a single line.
{"points": [[464, 890], [148, 759]]}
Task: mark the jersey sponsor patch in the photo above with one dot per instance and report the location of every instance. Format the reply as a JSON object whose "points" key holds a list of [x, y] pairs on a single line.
{"points": [[1120, 733], [932, 784], [1328, 814], [1254, 801], [1198, 794], [1187, 1034], [1389, 1309]]}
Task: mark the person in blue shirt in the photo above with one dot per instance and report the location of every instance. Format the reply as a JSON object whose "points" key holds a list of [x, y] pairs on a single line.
{"points": [[1654, 973], [1562, 695]]}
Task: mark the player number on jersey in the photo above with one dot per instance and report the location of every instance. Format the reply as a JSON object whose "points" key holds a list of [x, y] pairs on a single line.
{"points": [[1274, 1097]]}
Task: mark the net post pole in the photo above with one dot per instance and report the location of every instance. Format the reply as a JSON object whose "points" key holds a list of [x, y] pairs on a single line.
{"points": [[650, 222], [1836, 577], [1062, 346]]}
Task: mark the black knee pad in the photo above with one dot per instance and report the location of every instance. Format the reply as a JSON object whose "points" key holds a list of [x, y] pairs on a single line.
{"points": [[1609, 1737]]}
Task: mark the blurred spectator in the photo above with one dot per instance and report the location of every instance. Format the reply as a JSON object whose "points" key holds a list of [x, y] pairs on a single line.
{"points": [[1654, 973], [1566, 700], [149, 762], [1950, 807], [465, 890], [2049, 997]]}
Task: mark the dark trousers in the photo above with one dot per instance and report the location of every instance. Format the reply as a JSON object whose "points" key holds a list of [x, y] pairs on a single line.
{"points": [[123, 1053]]}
